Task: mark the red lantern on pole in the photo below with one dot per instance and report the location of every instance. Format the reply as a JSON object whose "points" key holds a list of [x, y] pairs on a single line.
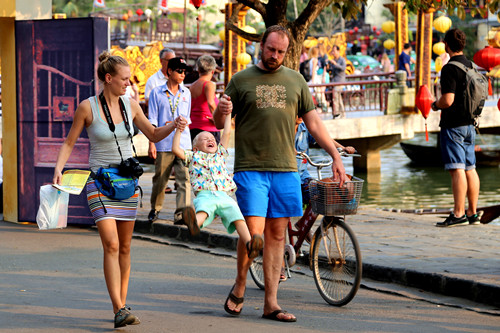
{"points": [[488, 58], [139, 12], [424, 103], [351, 32], [356, 29], [196, 3]]}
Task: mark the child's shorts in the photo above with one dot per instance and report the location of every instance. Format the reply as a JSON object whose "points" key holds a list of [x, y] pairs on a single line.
{"points": [[218, 203]]}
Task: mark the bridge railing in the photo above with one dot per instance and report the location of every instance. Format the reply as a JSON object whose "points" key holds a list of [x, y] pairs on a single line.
{"points": [[366, 94]]}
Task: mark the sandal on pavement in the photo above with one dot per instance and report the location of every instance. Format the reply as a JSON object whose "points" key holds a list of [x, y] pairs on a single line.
{"points": [[255, 246], [189, 218], [236, 300], [274, 316], [283, 276]]}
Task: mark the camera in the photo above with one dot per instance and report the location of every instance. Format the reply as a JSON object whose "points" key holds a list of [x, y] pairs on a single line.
{"points": [[131, 167]]}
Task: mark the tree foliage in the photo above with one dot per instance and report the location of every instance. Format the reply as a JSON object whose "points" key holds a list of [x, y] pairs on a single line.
{"points": [[456, 7], [275, 12]]}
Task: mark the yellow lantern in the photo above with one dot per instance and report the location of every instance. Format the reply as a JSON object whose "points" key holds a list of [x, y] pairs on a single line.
{"points": [[442, 24], [243, 59], [438, 64], [222, 35], [389, 44], [438, 48], [388, 27]]}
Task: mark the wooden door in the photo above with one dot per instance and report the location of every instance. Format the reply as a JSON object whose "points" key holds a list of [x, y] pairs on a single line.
{"points": [[56, 65]]}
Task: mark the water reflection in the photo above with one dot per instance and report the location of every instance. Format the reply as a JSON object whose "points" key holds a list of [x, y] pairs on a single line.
{"points": [[401, 185]]}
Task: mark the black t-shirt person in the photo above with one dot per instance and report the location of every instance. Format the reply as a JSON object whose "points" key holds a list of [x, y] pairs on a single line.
{"points": [[453, 81]]}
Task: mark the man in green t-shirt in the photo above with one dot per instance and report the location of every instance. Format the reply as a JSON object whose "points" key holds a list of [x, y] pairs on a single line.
{"points": [[265, 100]]}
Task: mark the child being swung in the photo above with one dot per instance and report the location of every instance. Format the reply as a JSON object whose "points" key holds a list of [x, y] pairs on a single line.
{"points": [[211, 183]]}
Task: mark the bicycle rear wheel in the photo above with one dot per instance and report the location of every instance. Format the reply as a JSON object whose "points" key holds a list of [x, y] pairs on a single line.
{"points": [[336, 261], [257, 271]]}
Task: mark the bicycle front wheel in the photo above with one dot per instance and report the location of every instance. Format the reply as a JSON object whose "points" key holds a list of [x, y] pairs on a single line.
{"points": [[257, 271], [336, 261]]}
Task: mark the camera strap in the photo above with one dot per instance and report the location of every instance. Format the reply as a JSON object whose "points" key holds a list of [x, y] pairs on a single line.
{"points": [[111, 125]]}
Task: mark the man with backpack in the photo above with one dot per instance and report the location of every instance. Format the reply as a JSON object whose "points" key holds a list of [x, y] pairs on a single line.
{"points": [[459, 86]]}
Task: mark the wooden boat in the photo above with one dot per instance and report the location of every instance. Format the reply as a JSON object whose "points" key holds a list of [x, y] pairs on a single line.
{"points": [[431, 156]]}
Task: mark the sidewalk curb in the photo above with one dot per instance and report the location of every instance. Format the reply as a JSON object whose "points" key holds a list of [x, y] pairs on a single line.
{"points": [[432, 282]]}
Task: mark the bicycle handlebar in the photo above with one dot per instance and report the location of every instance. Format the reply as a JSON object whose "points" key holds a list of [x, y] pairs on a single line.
{"points": [[319, 166], [342, 153]]}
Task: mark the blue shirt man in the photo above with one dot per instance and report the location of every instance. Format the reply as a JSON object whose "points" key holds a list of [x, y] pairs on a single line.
{"points": [[166, 103]]}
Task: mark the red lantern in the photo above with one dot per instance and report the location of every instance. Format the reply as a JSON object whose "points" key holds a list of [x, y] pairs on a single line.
{"points": [[377, 32], [196, 3], [498, 104], [424, 102], [374, 28], [139, 12], [356, 29], [488, 58], [351, 32]]}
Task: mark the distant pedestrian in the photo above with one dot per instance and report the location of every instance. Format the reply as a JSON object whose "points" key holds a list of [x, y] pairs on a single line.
{"points": [[166, 103], [203, 99], [337, 69], [158, 79], [458, 135], [405, 61]]}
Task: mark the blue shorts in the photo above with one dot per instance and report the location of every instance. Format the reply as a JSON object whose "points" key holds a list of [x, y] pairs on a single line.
{"points": [[457, 147], [268, 193], [221, 204]]}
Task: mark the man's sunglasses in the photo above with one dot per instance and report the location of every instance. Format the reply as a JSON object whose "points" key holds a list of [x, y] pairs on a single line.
{"points": [[180, 71]]}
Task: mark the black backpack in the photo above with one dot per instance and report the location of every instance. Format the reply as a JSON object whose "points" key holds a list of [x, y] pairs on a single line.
{"points": [[305, 70], [476, 90]]}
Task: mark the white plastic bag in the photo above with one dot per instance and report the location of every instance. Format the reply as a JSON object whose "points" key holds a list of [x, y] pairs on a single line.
{"points": [[53, 210]]}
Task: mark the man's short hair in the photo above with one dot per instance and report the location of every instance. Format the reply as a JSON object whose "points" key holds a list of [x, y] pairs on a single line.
{"points": [[455, 39], [406, 46], [276, 28], [165, 51], [336, 47]]}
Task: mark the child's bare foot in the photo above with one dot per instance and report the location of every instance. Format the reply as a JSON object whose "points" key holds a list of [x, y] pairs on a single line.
{"points": [[255, 246]]}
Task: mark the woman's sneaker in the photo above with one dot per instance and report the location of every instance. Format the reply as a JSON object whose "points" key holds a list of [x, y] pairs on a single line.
{"points": [[452, 221], [476, 218], [123, 318]]}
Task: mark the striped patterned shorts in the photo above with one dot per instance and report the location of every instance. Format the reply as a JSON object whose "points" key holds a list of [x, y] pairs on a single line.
{"points": [[120, 210]]}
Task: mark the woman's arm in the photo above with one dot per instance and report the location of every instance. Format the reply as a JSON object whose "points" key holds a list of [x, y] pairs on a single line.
{"points": [[210, 95], [83, 115], [153, 134]]}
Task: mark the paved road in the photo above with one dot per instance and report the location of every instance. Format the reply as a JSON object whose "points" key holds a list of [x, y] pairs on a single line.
{"points": [[396, 247], [51, 281]]}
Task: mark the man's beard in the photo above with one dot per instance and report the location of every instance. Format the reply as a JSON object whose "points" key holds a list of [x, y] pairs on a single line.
{"points": [[271, 64]]}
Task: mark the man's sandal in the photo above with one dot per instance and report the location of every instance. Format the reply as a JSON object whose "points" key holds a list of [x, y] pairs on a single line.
{"points": [[274, 316], [255, 246], [236, 300]]}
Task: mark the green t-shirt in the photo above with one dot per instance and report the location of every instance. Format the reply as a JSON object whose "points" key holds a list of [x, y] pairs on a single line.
{"points": [[265, 105]]}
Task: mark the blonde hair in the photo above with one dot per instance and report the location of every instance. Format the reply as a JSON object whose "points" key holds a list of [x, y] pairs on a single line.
{"points": [[313, 52], [109, 64]]}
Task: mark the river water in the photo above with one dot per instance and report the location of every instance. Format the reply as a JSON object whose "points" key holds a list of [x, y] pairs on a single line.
{"points": [[401, 185]]}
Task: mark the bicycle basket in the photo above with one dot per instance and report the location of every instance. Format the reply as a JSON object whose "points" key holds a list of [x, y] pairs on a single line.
{"points": [[328, 199]]}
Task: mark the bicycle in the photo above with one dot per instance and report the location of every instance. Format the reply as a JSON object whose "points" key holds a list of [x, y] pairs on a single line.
{"points": [[334, 255]]}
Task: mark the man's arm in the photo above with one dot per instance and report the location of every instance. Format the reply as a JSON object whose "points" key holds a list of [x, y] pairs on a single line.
{"points": [[444, 102], [318, 130]]}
